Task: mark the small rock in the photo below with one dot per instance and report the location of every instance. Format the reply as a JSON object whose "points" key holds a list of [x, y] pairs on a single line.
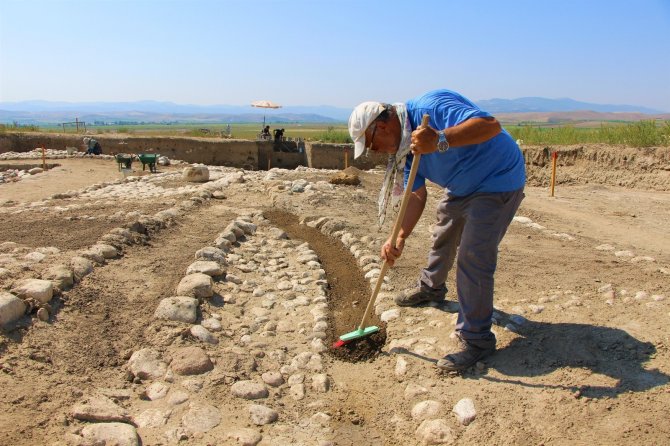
{"points": [[274, 379], [145, 364], [156, 391], [465, 411], [201, 417], [245, 437], [209, 267], [152, 418], [81, 267], [178, 397], [413, 390], [99, 408], [201, 333], [435, 432], [426, 410], [177, 308], [212, 324], [191, 361], [197, 285], [262, 415], [320, 383], [400, 367], [298, 391], [249, 390], [118, 434]]}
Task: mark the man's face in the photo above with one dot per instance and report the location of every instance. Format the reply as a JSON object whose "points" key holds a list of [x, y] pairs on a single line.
{"points": [[383, 136]]}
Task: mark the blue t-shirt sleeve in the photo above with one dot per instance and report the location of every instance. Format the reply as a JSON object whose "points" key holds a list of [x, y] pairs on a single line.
{"points": [[453, 112]]}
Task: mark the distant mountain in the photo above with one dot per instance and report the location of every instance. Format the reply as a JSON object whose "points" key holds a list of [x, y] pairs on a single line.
{"points": [[48, 112], [154, 111], [534, 104]]}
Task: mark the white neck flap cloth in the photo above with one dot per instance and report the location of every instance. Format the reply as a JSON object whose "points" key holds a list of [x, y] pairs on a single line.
{"points": [[393, 185]]}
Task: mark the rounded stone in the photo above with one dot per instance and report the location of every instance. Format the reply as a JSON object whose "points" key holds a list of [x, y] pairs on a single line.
{"points": [[120, 434], [426, 410], [262, 415], [249, 390], [435, 432], [191, 361], [177, 308], [197, 285]]}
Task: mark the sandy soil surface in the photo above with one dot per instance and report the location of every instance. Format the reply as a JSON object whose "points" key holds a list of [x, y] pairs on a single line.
{"points": [[588, 271]]}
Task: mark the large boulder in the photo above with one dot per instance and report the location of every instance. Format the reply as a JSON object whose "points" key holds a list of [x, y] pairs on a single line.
{"points": [[196, 174]]}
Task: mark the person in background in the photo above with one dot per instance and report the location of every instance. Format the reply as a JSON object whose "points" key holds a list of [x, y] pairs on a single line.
{"points": [[265, 134], [482, 172], [92, 146]]}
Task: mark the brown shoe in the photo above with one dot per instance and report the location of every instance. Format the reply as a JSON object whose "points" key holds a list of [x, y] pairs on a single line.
{"points": [[417, 296], [466, 354]]}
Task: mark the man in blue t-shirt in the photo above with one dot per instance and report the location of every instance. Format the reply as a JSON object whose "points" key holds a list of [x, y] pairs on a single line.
{"points": [[482, 171]]}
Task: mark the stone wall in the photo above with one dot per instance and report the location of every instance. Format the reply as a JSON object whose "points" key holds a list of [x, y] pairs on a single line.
{"points": [[647, 168]]}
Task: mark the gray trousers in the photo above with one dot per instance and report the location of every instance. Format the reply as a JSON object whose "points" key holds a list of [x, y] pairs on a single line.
{"points": [[474, 224]]}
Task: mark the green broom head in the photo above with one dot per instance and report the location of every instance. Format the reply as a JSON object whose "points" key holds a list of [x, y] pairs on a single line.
{"points": [[360, 333]]}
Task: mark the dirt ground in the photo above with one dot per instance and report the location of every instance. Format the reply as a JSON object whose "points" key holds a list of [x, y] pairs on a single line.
{"points": [[588, 270]]}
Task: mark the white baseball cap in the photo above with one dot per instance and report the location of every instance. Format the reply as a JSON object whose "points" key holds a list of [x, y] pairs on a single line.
{"points": [[362, 116]]}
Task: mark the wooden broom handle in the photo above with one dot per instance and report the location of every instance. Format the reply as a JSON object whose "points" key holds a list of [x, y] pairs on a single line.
{"points": [[396, 227]]}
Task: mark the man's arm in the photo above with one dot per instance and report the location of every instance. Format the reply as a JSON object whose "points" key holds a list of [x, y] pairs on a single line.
{"points": [[471, 131], [392, 249]]}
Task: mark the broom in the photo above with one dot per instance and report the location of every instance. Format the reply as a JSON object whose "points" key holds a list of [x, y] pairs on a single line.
{"points": [[363, 331]]}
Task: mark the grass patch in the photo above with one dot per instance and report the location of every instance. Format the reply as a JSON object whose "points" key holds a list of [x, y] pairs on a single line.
{"points": [[634, 134], [15, 127]]}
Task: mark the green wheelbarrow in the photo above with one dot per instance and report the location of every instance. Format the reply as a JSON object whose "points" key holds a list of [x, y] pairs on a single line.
{"points": [[149, 159], [125, 161]]}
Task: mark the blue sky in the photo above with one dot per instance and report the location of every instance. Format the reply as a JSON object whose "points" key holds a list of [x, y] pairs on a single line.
{"points": [[340, 53]]}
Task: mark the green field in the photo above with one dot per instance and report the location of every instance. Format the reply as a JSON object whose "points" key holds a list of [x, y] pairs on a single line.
{"points": [[632, 134]]}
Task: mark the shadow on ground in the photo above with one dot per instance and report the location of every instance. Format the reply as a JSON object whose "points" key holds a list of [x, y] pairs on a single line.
{"points": [[542, 348]]}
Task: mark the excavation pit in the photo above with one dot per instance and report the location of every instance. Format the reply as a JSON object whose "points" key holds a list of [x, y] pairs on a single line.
{"points": [[348, 291]]}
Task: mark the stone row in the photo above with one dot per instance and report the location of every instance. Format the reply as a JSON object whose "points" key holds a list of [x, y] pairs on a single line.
{"points": [[264, 350], [34, 294]]}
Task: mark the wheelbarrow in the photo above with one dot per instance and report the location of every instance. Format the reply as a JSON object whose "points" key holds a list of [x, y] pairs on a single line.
{"points": [[125, 161], [149, 159]]}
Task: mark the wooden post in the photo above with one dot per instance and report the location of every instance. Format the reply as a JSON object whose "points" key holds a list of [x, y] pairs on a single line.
{"points": [[76, 122], [269, 162], [553, 171], [44, 160], [346, 158]]}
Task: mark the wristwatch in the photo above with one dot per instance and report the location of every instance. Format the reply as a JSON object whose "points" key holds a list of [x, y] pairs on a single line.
{"points": [[442, 143]]}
